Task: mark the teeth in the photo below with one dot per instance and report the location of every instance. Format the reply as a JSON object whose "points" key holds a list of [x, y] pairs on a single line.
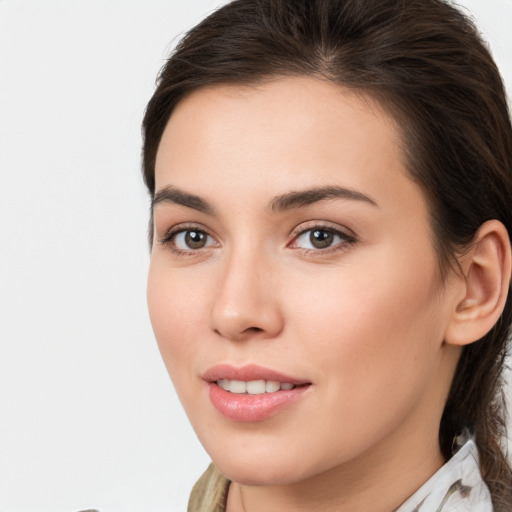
{"points": [[238, 386], [225, 384], [253, 387], [256, 387], [272, 386]]}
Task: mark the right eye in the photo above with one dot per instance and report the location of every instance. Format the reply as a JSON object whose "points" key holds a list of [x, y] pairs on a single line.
{"points": [[187, 240], [191, 239]]}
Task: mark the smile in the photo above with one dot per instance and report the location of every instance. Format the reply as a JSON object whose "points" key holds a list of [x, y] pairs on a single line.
{"points": [[252, 393], [253, 387]]}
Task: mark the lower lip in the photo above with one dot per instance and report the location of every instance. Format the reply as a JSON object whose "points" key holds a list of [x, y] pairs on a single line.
{"points": [[245, 408]]}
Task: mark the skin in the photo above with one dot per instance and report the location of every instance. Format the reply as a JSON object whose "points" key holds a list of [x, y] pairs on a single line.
{"points": [[364, 320]]}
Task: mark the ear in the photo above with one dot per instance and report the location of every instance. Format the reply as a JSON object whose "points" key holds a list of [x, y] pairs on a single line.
{"points": [[483, 288]]}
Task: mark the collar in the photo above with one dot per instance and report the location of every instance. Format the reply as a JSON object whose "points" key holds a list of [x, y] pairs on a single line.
{"points": [[457, 486]]}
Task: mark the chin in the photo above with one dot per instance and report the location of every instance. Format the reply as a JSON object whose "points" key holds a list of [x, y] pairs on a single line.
{"points": [[258, 467], [261, 474]]}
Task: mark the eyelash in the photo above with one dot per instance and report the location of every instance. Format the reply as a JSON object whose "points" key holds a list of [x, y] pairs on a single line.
{"points": [[170, 236], [347, 239]]}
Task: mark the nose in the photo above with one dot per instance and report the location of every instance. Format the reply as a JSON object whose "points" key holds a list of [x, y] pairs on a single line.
{"points": [[246, 304]]}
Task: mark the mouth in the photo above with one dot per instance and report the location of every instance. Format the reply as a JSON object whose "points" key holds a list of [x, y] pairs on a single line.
{"points": [[254, 387], [252, 393], [251, 379]]}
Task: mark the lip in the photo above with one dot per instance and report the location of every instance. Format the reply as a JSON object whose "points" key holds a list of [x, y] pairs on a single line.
{"points": [[246, 408], [249, 372]]}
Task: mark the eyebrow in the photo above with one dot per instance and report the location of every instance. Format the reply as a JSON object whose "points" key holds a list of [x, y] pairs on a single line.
{"points": [[284, 202], [302, 198], [171, 194]]}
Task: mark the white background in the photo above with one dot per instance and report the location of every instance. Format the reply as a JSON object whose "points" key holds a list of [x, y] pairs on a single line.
{"points": [[88, 417]]}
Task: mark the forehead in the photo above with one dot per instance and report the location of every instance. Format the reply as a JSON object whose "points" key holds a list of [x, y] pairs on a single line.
{"points": [[300, 123]]}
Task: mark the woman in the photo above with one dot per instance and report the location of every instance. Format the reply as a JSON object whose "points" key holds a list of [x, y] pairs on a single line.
{"points": [[330, 272]]}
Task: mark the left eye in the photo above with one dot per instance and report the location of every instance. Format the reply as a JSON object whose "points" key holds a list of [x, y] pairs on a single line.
{"points": [[188, 239], [320, 238]]}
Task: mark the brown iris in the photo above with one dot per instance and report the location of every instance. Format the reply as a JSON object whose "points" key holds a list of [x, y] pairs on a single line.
{"points": [[320, 238], [195, 239]]}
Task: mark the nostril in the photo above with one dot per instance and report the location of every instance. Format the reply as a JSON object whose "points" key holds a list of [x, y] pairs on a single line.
{"points": [[241, 335]]}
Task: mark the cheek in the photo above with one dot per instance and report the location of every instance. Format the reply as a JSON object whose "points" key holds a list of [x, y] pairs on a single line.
{"points": [[373, 343], [175, 312], [372, 327]]}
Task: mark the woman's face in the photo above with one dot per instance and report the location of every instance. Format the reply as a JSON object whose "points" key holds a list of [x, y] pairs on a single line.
{"points": [[291, 247]]}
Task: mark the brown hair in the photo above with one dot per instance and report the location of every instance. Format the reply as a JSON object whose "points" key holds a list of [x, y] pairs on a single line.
{"points": [[426, 63]]}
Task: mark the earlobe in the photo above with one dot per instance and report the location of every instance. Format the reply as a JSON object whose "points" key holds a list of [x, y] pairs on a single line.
{"points": [[486, 282]]}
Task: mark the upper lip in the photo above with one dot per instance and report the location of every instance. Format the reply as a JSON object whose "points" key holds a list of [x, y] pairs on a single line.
{"points": [[248, 373]]}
